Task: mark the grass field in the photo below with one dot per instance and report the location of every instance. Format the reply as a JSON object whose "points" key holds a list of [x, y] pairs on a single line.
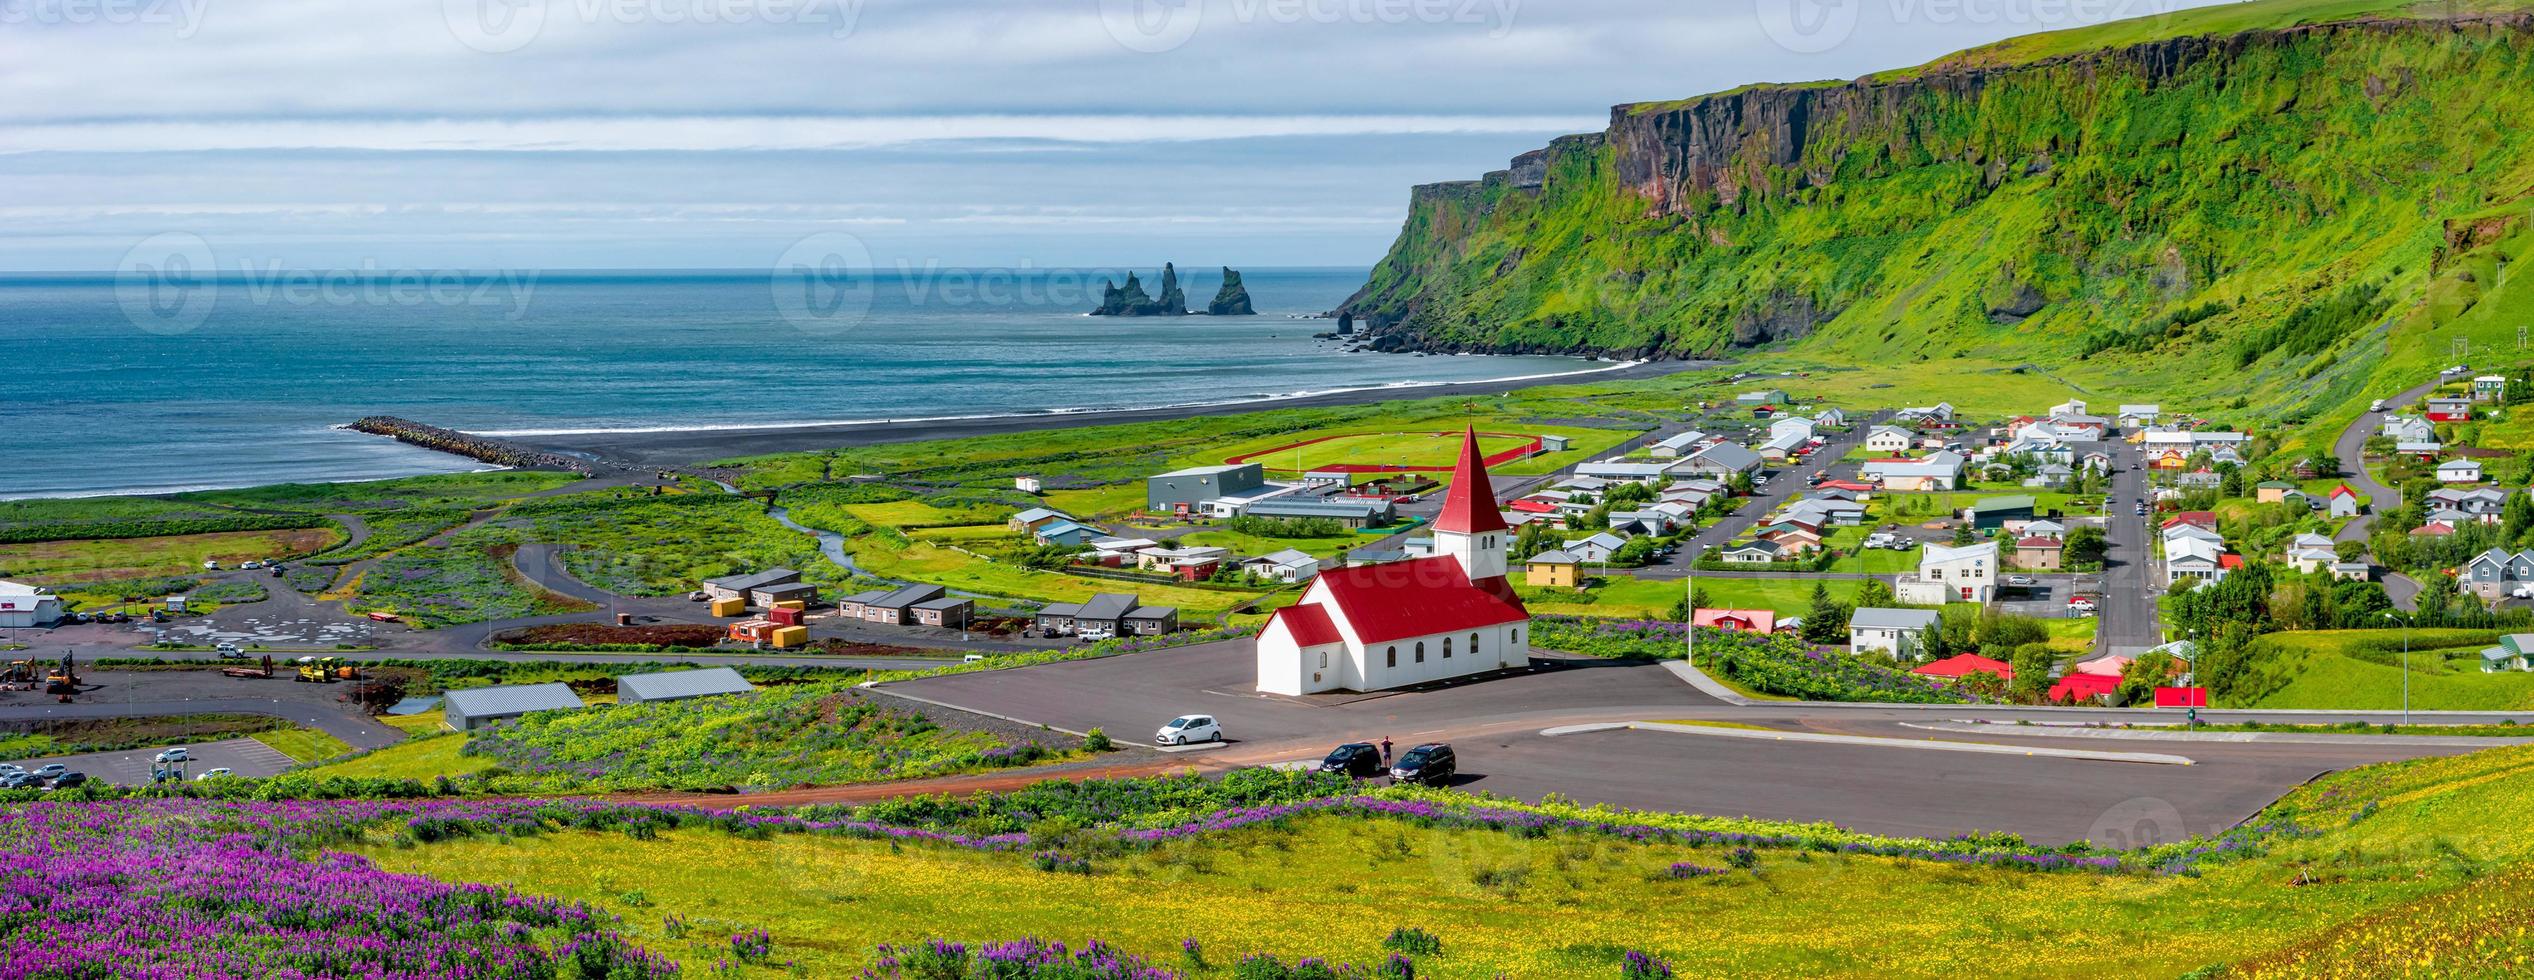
{"points": [[1628, 596], [303, 744], [924, 561], [2441, 680], [1374, 449], [1251, 545], [58, 562], [2421, 841], [421, 757]]}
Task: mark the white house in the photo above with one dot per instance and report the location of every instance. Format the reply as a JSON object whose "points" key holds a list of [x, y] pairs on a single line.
{"points": [[1596, 549], [27, 607], [2133, 416], [1376, 627], [2459, 471], [1952, 574], [1674, 447], [1888, 439], [1289, 565], [1900, 633]]}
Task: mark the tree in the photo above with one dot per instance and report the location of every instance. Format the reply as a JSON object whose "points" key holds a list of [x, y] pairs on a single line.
{"points": [[1962, 535], [1826, 621], [2323, 464], [2032, 671], [1876, 594], [2086, 546], [1531, 540], [2001, 634], [1636, 552], [2144, 675], [2349, 550], [2437, 597], [2517, 517]]}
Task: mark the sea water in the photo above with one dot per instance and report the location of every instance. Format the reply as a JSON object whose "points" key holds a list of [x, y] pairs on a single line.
{"points": [[122, 384]]}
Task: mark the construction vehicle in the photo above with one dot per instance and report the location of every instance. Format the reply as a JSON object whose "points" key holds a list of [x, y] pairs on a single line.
{"points": [[315, 674], [20, 672]]}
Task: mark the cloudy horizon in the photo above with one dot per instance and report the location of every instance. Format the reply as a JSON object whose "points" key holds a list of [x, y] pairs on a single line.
{"points": [[715, 133]]}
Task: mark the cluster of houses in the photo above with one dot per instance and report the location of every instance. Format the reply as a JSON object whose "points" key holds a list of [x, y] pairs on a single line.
{"points": [[1189, 563], [468, 710], [1674, 506], [2090, 681], [2194, 552], [1797, 529], [1243, 490]]}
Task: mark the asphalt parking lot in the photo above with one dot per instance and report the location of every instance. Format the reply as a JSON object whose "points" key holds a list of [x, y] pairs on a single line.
{"points": [[1885, 788], [246, 756]]}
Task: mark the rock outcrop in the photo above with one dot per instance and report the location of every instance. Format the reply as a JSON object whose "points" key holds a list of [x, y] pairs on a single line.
{"points": [[1132, 300], [1232, 299]]}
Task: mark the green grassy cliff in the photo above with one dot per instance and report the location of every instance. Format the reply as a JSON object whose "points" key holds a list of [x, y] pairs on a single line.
{"points": [[2290, 202]]}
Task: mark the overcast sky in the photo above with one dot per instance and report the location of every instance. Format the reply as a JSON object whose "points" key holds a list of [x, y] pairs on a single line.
{"points": [[557, 134]]}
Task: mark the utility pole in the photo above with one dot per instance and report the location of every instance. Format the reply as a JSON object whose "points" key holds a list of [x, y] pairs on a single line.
{"points": [[2406, 666]]}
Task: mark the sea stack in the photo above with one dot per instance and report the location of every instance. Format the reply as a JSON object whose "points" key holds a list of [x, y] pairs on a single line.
{"points": [[1132, 300], [1232, 299]]}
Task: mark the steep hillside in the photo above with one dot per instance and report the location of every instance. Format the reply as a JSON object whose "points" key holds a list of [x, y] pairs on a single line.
{"points": [[2258, 199]]}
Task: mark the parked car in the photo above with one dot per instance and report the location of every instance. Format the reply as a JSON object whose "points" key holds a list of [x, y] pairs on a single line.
{"points": [[1189, 728], [1094, 633], [1431, 764], [1361, 760], [210, 566], [17, 780], [973, 658], [221, 773], [48, 772], [250, 565], [698, 595], [177, 754], [69, 779], [229, 651], [2020, 581]]}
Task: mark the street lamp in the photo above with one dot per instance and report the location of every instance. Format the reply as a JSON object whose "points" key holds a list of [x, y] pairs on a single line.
{"points": [[2406, 666]]}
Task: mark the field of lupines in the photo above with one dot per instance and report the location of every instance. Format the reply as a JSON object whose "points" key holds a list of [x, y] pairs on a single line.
{"points": [[825, 734], [1776, 664]]}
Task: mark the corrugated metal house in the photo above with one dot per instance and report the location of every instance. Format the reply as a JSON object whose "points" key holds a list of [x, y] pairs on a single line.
{"points": [[673, 685], [473, 709]]}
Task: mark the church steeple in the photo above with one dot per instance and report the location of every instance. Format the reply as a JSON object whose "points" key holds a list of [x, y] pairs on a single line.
{"points": [[1471, 529]]}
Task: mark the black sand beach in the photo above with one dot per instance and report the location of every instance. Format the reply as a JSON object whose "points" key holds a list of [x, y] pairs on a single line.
{"points": [[690, 446]]}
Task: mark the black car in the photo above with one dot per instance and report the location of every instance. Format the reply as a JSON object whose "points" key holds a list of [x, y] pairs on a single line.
{"points": [[1361, 760], [69, 779], [1431, 764]]}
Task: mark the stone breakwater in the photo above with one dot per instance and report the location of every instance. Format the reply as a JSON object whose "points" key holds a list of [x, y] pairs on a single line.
{"points": [[457, 443]]}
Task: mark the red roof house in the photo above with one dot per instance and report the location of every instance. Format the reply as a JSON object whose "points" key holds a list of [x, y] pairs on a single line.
{"points": [[1963, 664], [1529, 505], [1851, 486], [2083, 687], [1738, 620], [2204, 520]]}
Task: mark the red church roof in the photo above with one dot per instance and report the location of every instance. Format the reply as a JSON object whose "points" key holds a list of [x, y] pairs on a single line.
{"points": [[1309, 624], [1418, 597], [1966, 663], [1470, 507]]}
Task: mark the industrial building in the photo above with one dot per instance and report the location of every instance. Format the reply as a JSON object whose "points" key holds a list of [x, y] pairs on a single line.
{"points": [[676, 685], [469, 710]]}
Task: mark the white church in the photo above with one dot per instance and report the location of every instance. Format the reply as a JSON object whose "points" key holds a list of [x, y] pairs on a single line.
{"points": [[1374, 627]]}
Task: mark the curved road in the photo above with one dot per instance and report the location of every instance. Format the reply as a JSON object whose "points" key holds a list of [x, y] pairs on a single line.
{"points": [[2351, 449]]}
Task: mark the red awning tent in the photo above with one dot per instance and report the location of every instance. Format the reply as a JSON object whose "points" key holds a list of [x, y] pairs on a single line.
{"points": [[2182, 697]]}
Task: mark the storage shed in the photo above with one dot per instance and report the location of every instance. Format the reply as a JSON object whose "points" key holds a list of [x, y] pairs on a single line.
{"points": [[674, 685], [473, 709]]}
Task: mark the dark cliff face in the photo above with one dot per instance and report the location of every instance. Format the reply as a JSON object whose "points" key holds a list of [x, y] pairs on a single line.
{"points": [[1232, 299], [1132, 300]]}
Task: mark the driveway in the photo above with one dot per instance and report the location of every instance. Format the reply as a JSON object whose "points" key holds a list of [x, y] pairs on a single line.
{"points": [[2351, 449]]}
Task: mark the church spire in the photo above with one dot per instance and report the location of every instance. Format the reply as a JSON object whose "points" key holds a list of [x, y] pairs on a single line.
{"points": [[1470, 507]]}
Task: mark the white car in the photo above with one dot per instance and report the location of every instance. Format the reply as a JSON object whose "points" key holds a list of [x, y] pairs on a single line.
{"points": [[176, 754], [220, 773], [1189, 728], [2019, 580], [210, 566], [1094, 633], [252, 565]]}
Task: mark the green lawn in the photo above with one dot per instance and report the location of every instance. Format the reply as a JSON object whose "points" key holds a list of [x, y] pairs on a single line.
{"points": [[64, 562], [421, 758], [1252, 546], [2441, 680], [303, 744], [1619, 595]]}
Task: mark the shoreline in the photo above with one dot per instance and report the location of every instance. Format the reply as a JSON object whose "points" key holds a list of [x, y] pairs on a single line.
{"points": [[684, 447]]}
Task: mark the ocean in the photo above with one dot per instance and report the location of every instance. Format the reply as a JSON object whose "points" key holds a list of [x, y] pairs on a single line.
{"points": [[165, 382]]}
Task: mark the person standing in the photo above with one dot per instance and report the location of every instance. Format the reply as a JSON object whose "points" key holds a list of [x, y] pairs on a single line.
{"points": [[1385, 750]]}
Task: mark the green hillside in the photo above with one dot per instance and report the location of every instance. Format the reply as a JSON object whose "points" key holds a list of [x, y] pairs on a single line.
{"points": [[2201, 207]]}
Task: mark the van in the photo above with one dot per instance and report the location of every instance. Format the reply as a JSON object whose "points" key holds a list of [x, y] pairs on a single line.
{"points": [[2378, 406], [973, 658]]}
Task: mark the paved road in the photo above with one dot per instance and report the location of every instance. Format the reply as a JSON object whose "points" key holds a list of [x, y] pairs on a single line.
{"points": [[2130, 580], [343, 723], [2351, 448], [243, 756], [1497, 726]]}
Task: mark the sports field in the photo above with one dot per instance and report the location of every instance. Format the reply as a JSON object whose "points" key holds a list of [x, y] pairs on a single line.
{"points": [[1387, 452]]}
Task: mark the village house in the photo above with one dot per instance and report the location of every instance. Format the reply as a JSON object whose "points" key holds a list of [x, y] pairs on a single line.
{"points": [[2514, 652], [1830, 418], [1753, 553], [2489, 388], [1378, 627], [2190, 558], [1940, 413], [1897, 633], [1035, 518], [2039, 553], [1888, 439], [1674, 447], [2406, 428], [1723, 459], [2271, 491], [1597, 549], [1947, 573], [2484, 504], [1120, 614], [1064, 533], [2344, 501], [2459, 471], [2138, 416], [2353, 571], [1736, 620], [1289, 565], [1940, 471], [1552, 569], [1184, 492], [2496, 573], [2449, 409], [1764, 396]]}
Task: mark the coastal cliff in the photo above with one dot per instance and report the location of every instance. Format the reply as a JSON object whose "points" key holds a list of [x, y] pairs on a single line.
{"points": [[2100, 193], [1232, 299]]}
